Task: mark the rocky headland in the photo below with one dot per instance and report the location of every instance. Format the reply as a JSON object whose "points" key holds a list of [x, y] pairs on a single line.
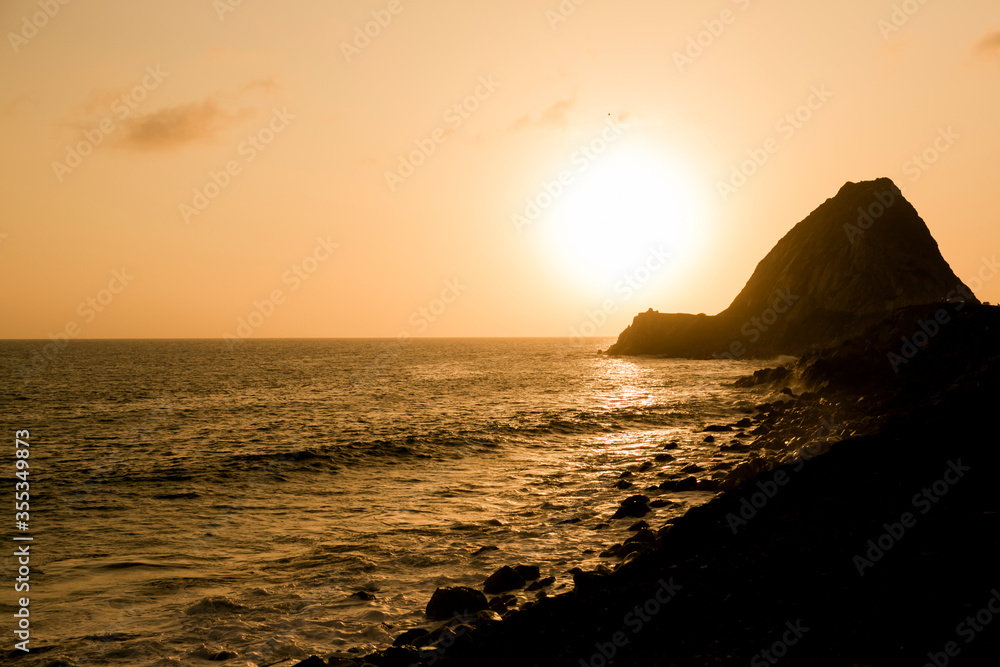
{"points": [[862, 523], [860, 256]]}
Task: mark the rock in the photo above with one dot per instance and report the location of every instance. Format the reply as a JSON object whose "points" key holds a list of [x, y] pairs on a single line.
{"points": [[363, 595], [483, 550], [528, 572], [744, 423], [627, 473], [312, 661], [694, 467], [709, 438], [631, 548], [717, 428], [660, 502], [399, 656], [671, 445], [586, 582], [564, 522], [504, 579], [764, 408], [487, 617], [687, 484], [644, 536], [413, 637], [446, 602], [788, 392], [709, 485], [541, 583], [634, 506], [638, 525], [610, 552], [663, 457], [621, 485], [646, 465]]}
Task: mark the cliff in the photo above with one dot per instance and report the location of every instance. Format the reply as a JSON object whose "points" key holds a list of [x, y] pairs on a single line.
{"points": [[860, 256]]}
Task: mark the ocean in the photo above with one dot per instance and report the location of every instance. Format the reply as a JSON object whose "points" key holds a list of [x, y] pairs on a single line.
{"points": [[191, 500]]}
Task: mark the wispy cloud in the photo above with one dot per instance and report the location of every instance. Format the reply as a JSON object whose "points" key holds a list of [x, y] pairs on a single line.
{"points": [[556, 115], [180, 125], [17, 105], [989, 45], [265, 86]]}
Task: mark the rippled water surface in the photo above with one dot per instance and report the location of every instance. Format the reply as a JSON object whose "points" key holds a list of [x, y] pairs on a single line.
{"points": [[192, 501]]}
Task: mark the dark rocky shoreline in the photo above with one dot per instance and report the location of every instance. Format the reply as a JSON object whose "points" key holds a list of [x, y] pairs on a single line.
{"points": [[863, 529]]}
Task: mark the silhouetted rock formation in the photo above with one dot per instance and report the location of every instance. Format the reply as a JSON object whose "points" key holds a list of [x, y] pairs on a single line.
{"points": [[854, 260]]}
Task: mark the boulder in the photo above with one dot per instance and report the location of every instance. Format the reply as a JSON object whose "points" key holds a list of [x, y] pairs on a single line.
{"points": [[446, 602], [634, 506], [504, 579]]}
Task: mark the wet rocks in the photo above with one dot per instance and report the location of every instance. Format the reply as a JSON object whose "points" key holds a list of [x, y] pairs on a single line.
{"points": [[634, 506], [363, 595], [414, 637], [504, 579], [622, 485], [663, 457], [528, 572], [446, 602], [644, 536], [483, 550], [312, 661], [718, 428], [541, 583], [709, 438], [686, 484]]}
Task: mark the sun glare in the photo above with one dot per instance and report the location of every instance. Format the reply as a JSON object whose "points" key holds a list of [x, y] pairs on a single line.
{"points": [[627, 207]]}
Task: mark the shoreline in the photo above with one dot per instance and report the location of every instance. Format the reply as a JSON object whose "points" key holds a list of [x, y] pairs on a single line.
{"points": [[876, 551]]}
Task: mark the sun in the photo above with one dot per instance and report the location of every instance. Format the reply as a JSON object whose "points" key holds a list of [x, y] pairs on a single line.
{"points": [[626, 207]]}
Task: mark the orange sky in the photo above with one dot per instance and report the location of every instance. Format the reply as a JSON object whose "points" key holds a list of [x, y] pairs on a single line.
{"points": [[198, 168]]}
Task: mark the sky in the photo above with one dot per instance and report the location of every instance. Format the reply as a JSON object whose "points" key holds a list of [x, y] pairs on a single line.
{"points": [[247, 169]]}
